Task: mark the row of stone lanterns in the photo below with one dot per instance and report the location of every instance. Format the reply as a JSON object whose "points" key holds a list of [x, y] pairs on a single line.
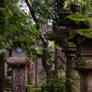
{"points": [[84, 47], [64, 29], [19, 60]]}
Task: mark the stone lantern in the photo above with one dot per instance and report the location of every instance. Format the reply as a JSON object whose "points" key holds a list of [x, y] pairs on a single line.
{"points": [[61, 26], [18, 61], [84, 62]]}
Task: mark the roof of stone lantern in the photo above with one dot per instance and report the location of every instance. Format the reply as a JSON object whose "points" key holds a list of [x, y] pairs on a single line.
{"points": [[82, 33]]}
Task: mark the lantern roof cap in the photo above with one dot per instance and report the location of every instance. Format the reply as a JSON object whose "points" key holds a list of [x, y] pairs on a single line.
{"points": [[82, 34], [15, 61]]}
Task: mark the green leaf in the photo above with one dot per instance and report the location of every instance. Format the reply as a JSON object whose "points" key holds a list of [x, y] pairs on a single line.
{"points": [[1, 37], [21, 38]]}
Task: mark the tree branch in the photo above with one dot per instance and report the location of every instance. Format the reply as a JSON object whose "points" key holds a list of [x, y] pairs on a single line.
{"points": [[32, 13], [45, 42]]}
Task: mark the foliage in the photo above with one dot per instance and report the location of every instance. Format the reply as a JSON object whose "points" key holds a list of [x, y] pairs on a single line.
{"points": [[85, 6], [84, 15], [54, 87], [19, 26], [8, 82], [43, 9]]}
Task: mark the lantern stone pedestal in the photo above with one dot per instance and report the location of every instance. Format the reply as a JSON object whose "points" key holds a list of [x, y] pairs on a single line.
{"points": [[84, 61], [18, 73], [85, 71]]}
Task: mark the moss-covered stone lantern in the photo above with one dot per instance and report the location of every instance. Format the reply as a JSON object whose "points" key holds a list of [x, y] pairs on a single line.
{"points": [[83, 40], [18, 61]]}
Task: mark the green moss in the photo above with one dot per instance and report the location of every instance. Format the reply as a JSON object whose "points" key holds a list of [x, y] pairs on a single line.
{"points": [[86, 32], [30, 89], [8, 82], [37, 89]]}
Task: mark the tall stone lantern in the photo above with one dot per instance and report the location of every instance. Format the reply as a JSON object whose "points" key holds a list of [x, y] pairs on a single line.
{"points": [[18, 61], [84, 61]]}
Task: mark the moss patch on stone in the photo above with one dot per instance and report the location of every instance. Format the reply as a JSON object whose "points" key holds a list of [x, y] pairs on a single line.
{"points": [[31, 89]]}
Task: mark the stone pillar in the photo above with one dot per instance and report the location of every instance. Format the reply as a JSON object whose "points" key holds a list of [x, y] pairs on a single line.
{"points": [[31, 72], [18, 76], [26, 73], [36, 81], [41, 75], [85, 71], [5, 68], [72, 77]]}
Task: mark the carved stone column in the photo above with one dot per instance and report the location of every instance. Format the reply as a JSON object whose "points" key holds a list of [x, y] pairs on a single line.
{"points": [[72, 77], [18, 73]]}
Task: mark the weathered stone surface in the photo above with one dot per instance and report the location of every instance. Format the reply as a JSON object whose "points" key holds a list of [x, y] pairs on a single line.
{"points": [[86, 81], [19, 79], [17, 51], [17, 61], [71, 73], [41, 75], [89, 82], [31, 72], [84, 64], [6, 68], [18, 74]]}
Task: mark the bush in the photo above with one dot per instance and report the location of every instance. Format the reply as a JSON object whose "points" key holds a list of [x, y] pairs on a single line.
{"points": [[54, 87]]}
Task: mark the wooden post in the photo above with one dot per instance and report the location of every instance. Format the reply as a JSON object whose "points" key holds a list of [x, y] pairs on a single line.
{"points": [[18, 77]]}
